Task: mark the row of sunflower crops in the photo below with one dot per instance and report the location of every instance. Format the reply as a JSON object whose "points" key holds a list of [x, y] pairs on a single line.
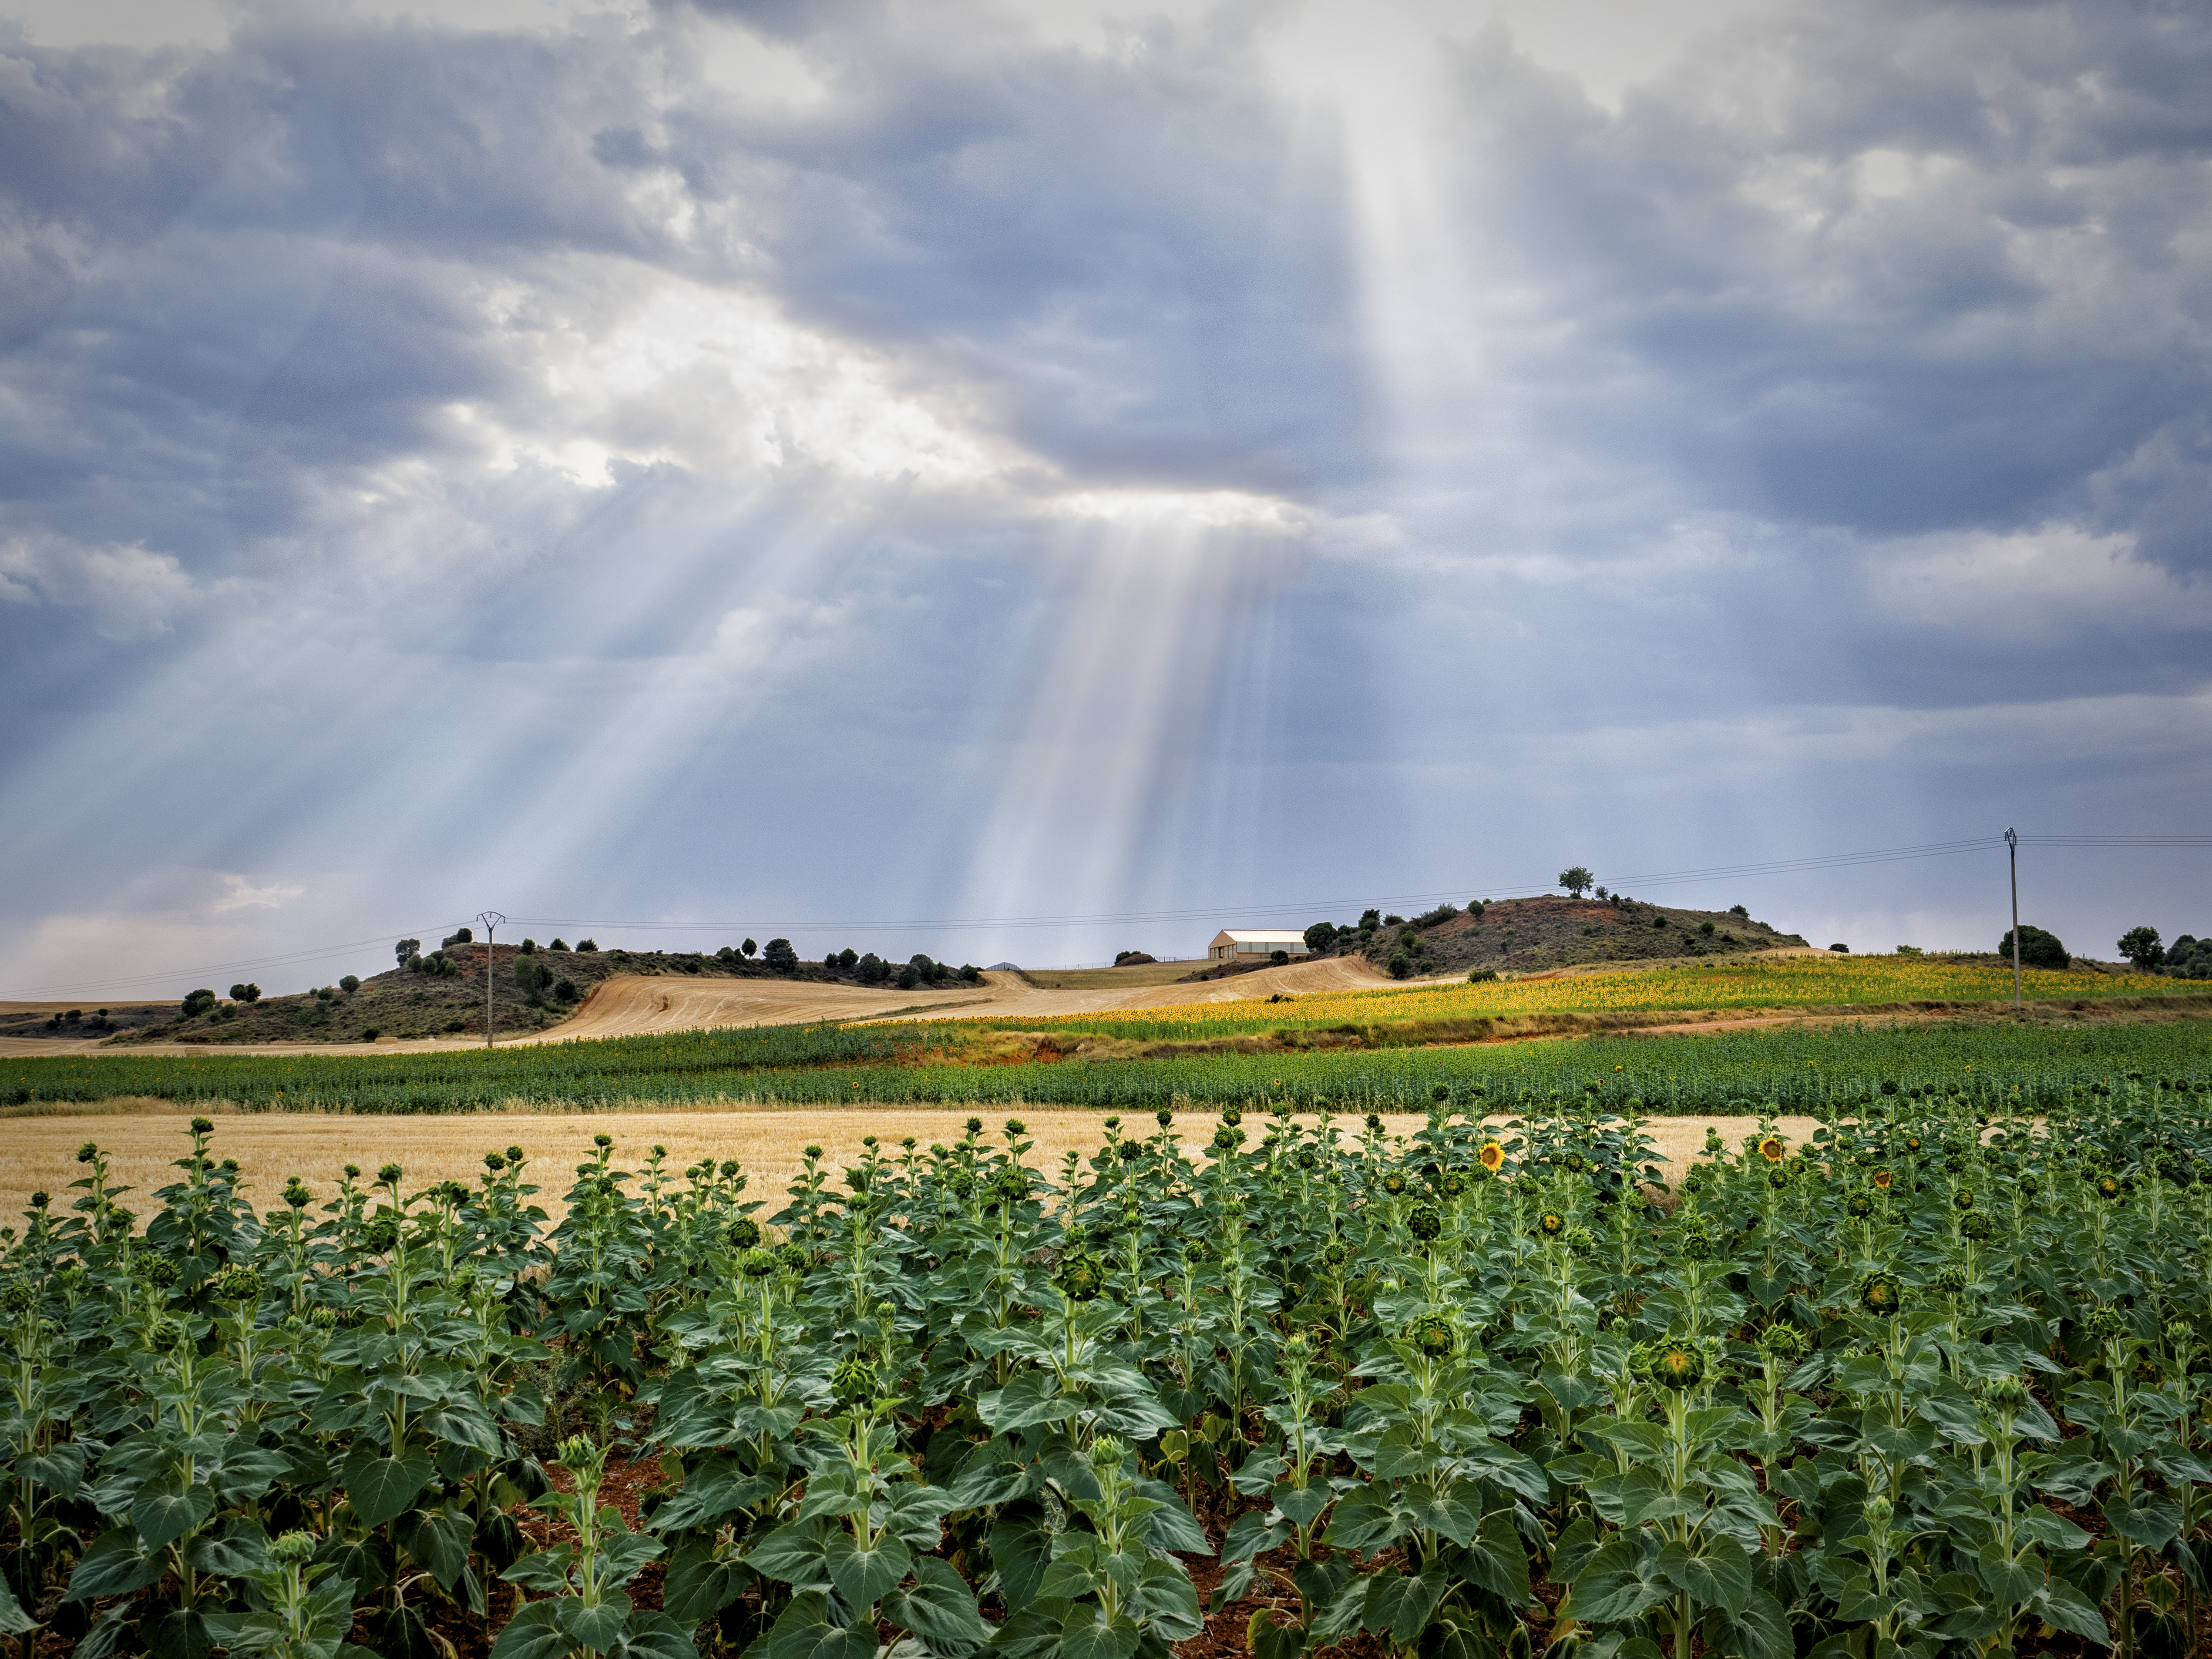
{"points": [[1796, 1068], [1932, 1382]]}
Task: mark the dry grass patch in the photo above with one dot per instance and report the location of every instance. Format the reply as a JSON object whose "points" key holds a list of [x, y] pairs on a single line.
{"points": [[143, 1138]]}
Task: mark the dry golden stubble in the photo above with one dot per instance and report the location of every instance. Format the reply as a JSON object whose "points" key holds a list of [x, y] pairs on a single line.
{"points": [[143, 1138]]}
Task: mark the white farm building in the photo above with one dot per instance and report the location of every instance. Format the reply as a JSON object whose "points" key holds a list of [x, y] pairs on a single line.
{"points": [[1232, 943]]}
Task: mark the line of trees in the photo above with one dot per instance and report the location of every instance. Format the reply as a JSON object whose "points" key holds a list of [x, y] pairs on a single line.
{"points": [[2187, 957]]}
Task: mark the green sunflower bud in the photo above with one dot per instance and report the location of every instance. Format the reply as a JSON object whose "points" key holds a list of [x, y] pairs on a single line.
{"points": [[1082, 1279], [293, 1549], [1881, 1294], [1675, 1365], [1782, 1342], [1432, 1333]]}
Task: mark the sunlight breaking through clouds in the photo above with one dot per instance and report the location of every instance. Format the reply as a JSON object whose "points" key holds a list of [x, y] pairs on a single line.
{"points": [[1160, 603], [944, 459]]}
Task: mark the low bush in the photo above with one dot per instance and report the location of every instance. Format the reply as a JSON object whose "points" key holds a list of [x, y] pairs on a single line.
{"points": [[2036, 949]]}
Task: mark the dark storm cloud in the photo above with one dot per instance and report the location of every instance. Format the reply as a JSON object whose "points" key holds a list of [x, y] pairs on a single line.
{"points": [[1898, 269], [1147, 254]]}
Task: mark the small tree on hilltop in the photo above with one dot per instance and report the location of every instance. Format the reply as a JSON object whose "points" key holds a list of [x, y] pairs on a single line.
{"points": [[2141, 946], [1321, 936], [1574, 878], [781, 956], [406, 950]]}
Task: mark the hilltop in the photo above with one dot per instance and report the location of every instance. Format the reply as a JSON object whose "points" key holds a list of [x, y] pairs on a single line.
{"points": [[1532, 935], [442, 994]]}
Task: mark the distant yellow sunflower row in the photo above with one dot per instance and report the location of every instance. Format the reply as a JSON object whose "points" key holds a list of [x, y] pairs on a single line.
{"points": [[1771, 982]]}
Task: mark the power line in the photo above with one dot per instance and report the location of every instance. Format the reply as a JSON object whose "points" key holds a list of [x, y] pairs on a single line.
{"points": [[1779, 866]]}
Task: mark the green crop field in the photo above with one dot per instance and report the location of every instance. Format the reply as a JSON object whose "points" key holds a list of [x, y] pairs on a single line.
{"points": [[1793, 1068], [1932, 1382]]}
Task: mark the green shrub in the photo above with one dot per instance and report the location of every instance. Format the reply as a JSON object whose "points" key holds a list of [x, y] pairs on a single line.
{"points": [[592, 945], [350, 984], [1705, 927], [1279, 958], [1400, 965], [198, 1003], [2036, 949]]}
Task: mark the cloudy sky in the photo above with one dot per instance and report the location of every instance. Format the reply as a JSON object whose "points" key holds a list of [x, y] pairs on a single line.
{"points": [[1032, 480]]}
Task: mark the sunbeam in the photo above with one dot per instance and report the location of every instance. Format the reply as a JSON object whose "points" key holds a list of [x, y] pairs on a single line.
{"points": [[1161, 612]]}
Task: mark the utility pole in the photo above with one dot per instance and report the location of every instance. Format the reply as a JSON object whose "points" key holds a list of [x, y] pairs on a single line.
{"points": [[492, 919], [2012, 852]]}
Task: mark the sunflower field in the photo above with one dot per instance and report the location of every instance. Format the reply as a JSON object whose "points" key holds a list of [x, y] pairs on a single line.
{"points": [[1933, 1381], [1758, 982]]}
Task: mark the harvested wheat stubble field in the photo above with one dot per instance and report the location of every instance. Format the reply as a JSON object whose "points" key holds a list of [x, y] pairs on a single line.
{"points": [[143, 1142]]}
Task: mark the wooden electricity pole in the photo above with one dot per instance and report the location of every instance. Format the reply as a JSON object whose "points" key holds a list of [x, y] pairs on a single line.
{"points": [[2012, 851], [490, 918]]}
